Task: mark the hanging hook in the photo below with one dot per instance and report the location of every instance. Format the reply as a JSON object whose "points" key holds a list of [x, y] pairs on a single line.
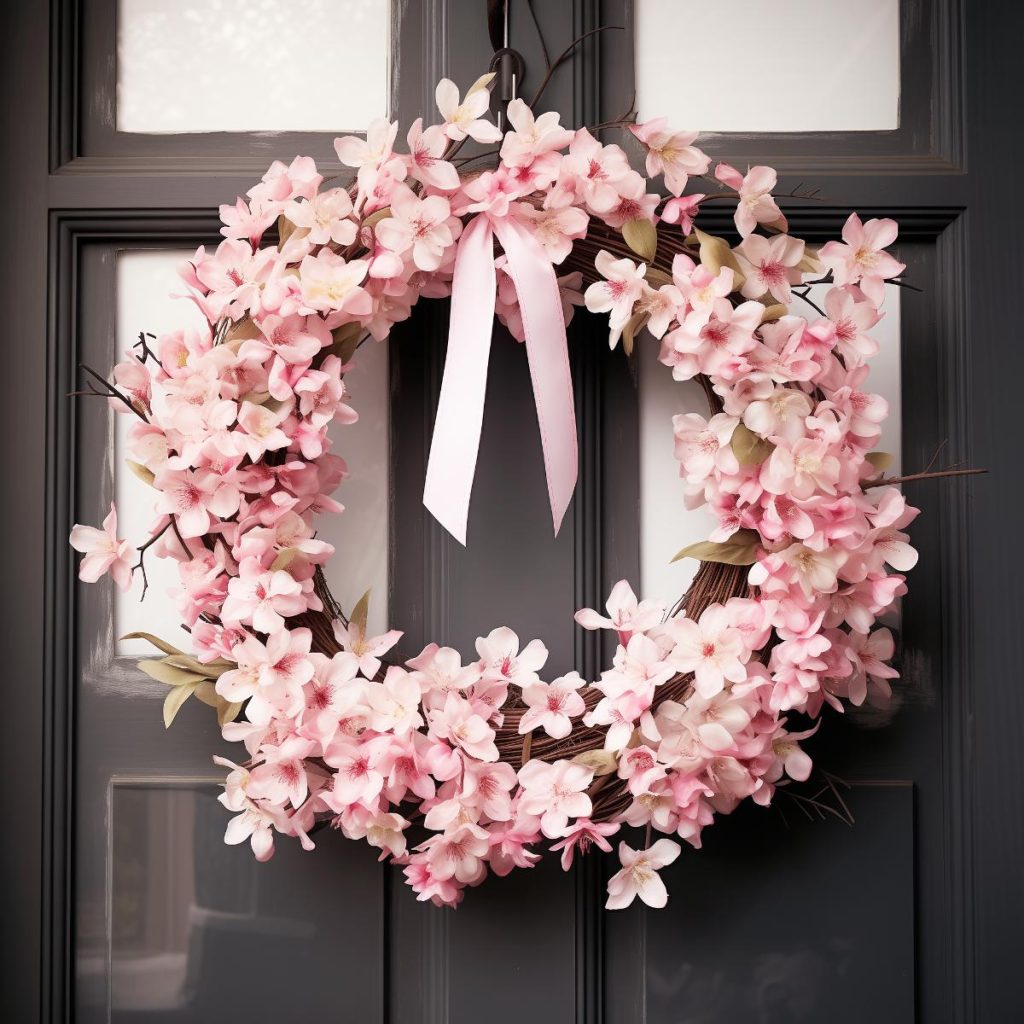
{"points": [[507, 62]]}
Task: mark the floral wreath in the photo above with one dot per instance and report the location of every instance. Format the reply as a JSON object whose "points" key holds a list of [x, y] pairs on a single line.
{"points": [[455, 769]]}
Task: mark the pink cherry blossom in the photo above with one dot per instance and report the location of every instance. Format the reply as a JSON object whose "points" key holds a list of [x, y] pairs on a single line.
{"points": [[357, 776], [502, 660], [782, 414], [618, 293], [371, 151], [670, 153], [368, 650], [439, 671], [427, 147], [626, 615], [532, 137], [756, 204], [710, 648], [770, 265], [248, 220], [489, 788], [682, 210], [325, 218], [552, 706], [395, 703], [713, 340], [851, 319], [861, 257], [556, 792], [702, 446], [104, 552], [556, 227], [459, 853], [422, 225], [581, 835], [639, 875], [640, 768], [263, 598], [462, 119], [595, 172], [331, 283], [282, 182], [459, 723]]}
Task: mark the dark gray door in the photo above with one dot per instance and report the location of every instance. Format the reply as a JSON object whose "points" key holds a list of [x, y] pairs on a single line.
{"points": [[125, 906]]}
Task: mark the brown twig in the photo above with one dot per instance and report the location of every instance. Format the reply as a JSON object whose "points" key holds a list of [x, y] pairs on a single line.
{"points": [[141, 564], [564, 56], [910, 477], [111, 390]]}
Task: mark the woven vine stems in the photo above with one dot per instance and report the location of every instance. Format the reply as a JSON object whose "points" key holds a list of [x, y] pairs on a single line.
{"points": [[714, 583]]}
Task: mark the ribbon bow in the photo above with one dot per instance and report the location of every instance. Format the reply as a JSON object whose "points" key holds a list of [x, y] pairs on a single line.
{"points": [[456, 441]]}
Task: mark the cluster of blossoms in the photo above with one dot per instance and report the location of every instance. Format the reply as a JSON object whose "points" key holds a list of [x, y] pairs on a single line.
{"points": [[230, 429]]}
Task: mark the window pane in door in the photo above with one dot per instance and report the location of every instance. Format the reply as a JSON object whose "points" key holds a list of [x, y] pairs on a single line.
{"points": [[755, 66], [251, 65], [665, 523], [145, 280]]}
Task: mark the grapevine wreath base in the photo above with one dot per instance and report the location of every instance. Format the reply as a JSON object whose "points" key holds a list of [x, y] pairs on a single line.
{"points": [[455, 769]]}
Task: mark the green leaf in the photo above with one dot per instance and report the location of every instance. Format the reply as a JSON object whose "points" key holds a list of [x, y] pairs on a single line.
{"points": [[716, 253], [169, 674], [145, 475], [376, 217], [774, 312], [203, 691], [749, 448], [346, 341], [209, 670], [174, 700], [162, 645], [285, 230], [243, 330], [739, 549], [481, 83], [809, 262], [360, 612], [285, 557], [206, 693], [227, 712], [604, 762], [642, 237], [635, 323], [880, 460]]}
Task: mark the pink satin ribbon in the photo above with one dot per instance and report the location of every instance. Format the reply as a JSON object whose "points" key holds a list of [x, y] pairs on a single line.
{"points": [[456, 441]]}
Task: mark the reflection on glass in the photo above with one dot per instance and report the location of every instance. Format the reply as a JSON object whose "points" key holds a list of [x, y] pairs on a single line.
{"points": [[198, 931], [784, 66], [145, 279], [665, 523], [251, 65], [791, 959], [166, 849]]}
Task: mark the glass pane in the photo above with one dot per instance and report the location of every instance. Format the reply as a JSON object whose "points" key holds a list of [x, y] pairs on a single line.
{"points": [[145, 279], [784, 66], [665, 523], [160, 906], [251, 65], [200, 932]]}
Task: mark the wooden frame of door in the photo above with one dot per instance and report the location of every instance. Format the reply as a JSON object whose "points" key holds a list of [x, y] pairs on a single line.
{"points": [[959, 223]]}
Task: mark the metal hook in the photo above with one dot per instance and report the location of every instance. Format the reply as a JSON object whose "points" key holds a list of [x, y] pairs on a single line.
{"points": [[507, 62]]}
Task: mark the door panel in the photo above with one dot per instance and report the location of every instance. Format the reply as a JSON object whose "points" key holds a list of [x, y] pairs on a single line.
{"points": [[165, 911], [127, 906], [783, 921]]}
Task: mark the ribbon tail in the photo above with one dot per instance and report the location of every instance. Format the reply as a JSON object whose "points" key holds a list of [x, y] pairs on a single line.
{"points": [[460, 408], [540, 303]]}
